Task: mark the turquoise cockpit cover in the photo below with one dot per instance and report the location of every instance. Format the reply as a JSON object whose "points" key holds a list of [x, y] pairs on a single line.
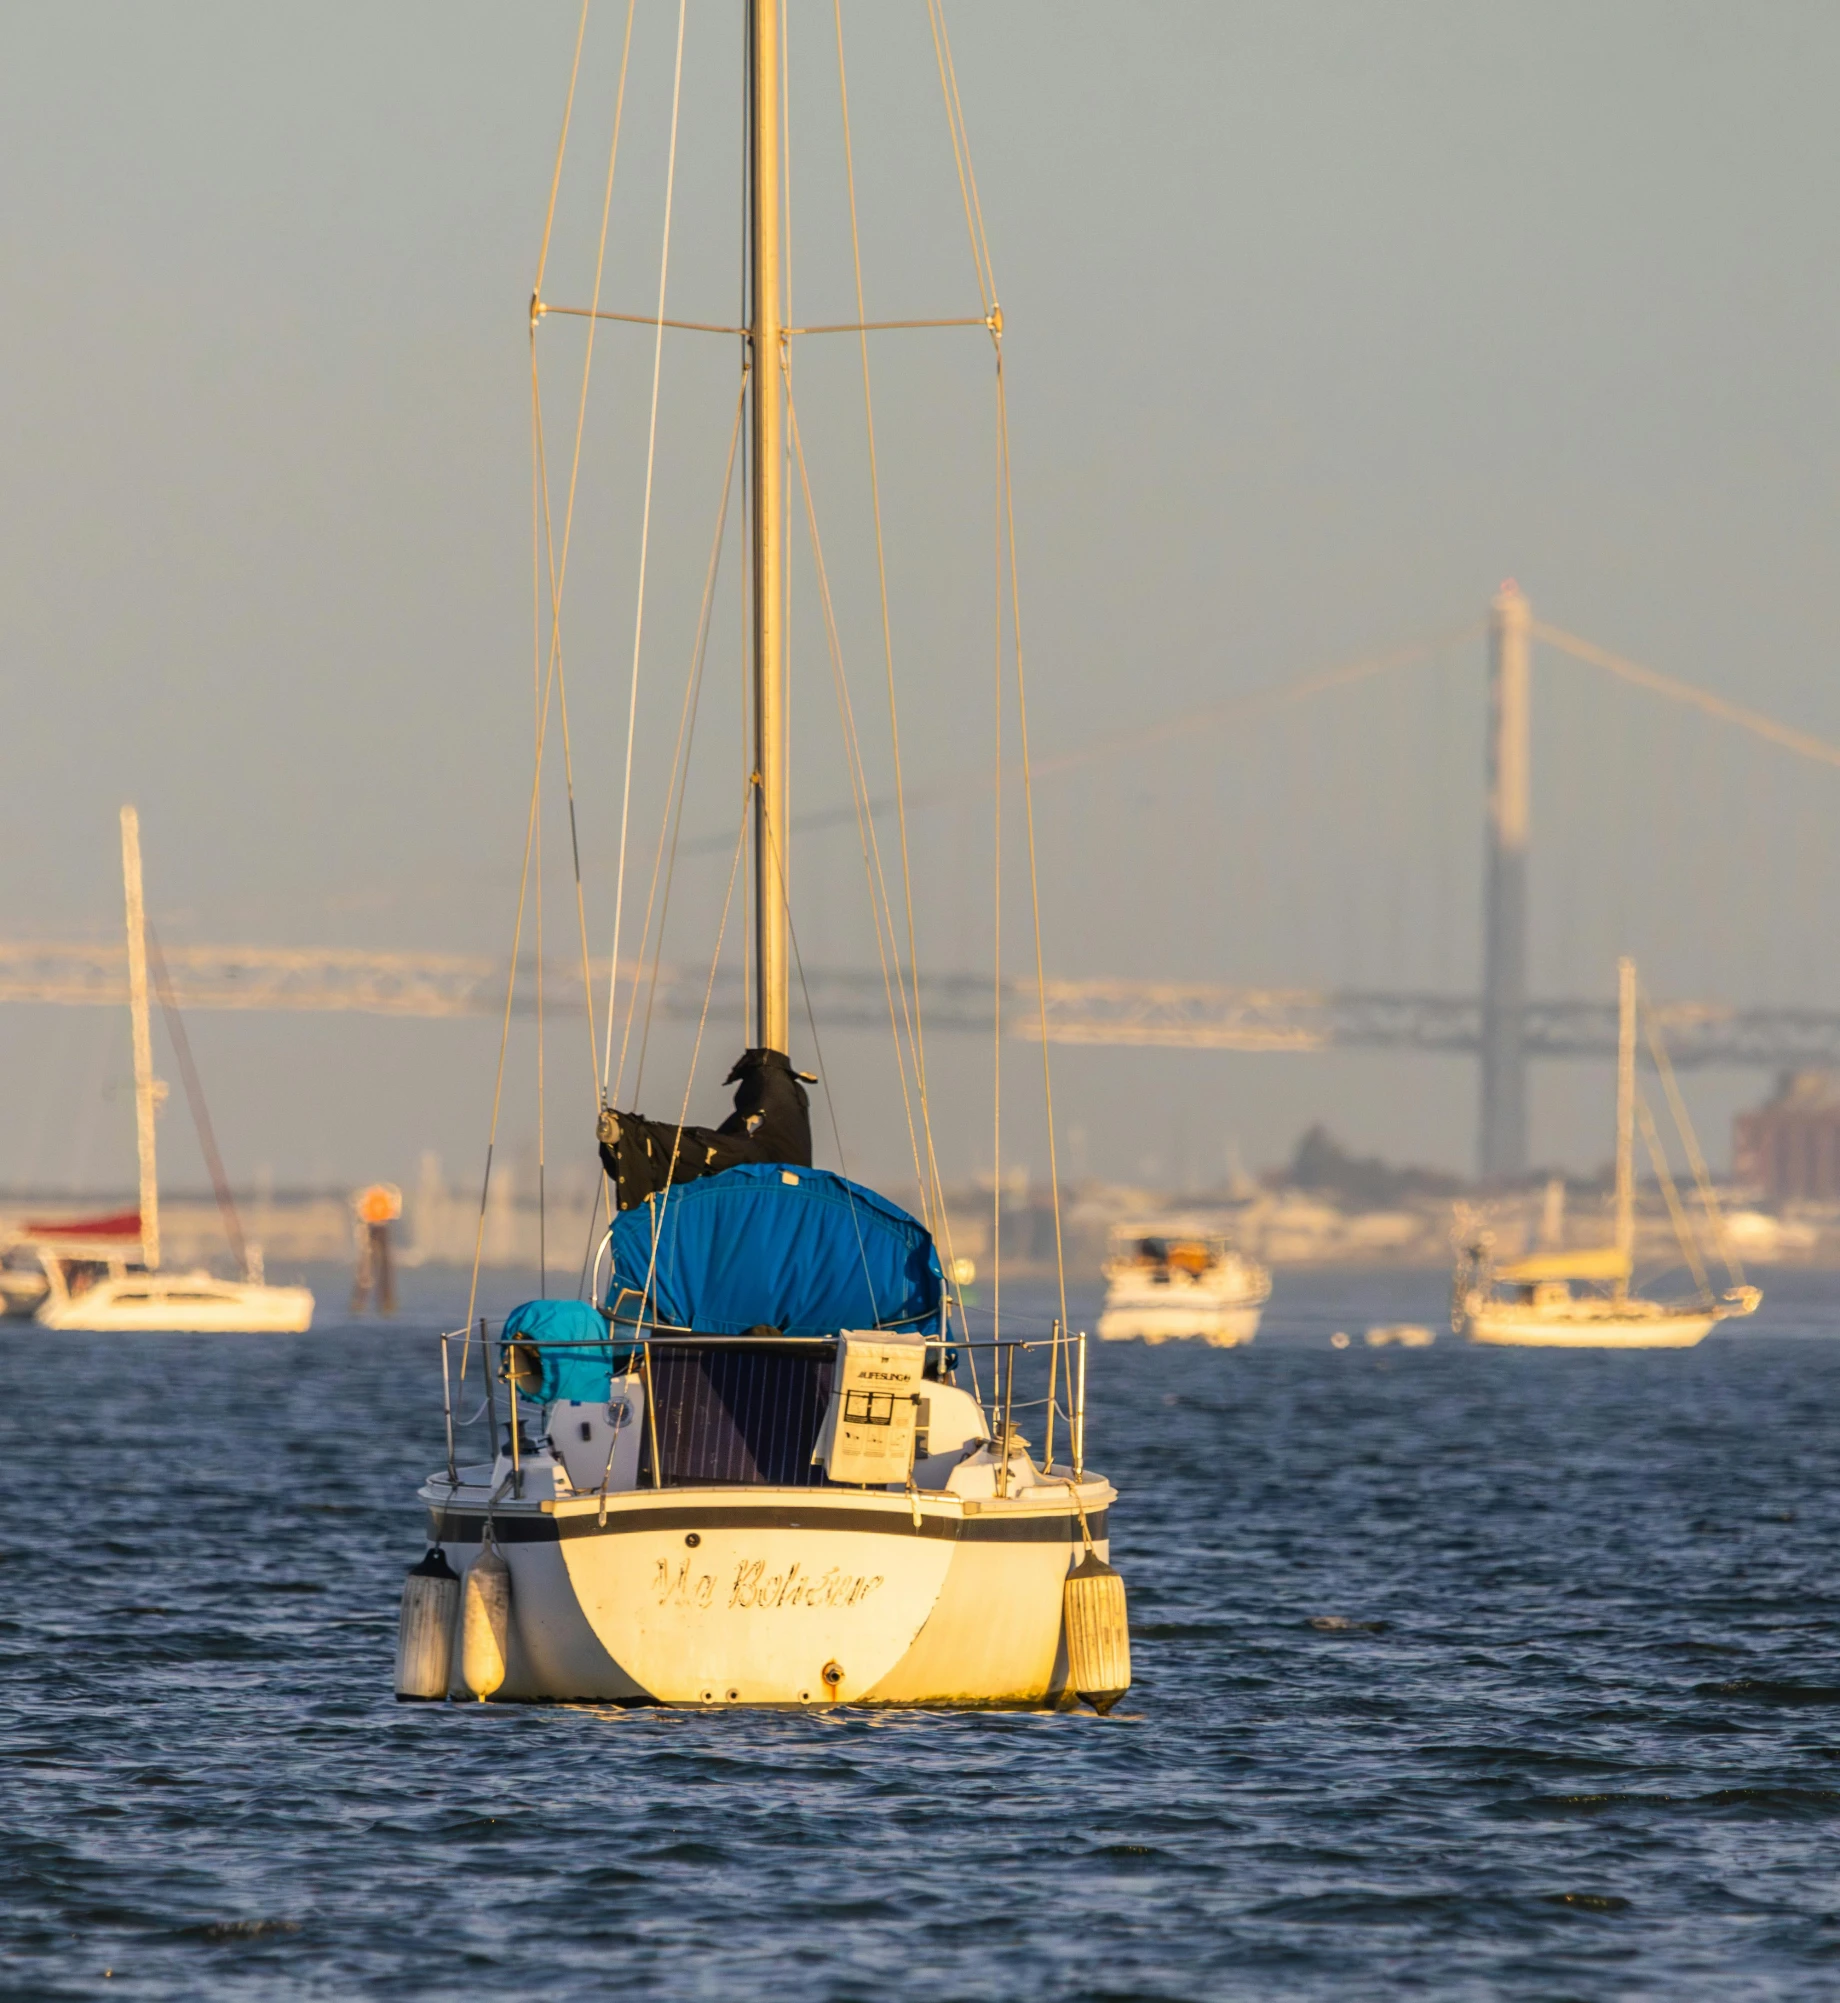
{"points": [[571, 1341], [798, 1250]]}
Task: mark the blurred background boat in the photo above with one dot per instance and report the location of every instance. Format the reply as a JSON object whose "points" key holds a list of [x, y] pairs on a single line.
{"points": [[1179, 1279], [1530, 1303], [103, 1274]]}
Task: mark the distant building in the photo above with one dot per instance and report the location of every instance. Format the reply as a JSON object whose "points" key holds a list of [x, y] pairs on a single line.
{"points": [[1789, 1149]]}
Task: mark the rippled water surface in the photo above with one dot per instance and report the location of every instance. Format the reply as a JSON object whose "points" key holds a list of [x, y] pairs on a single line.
{"points": [[1465, 1674]]}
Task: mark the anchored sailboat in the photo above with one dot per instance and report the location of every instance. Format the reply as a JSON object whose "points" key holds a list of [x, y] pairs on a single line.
{"points": [[761, 1464], [103, 1274], [1531, 1303]]}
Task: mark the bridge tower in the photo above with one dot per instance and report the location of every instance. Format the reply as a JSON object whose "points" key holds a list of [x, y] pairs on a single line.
{"points": [[1502, 1148]]}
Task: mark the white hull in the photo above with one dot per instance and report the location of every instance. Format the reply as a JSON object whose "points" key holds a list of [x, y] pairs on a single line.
{"points": [[1512, 1325], [1179, 1321], [1157, 1299], [180, 1304], [790, 1596]]}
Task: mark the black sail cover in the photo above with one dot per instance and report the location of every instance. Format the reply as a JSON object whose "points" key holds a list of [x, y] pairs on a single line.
{"points": [[771, 1123]]}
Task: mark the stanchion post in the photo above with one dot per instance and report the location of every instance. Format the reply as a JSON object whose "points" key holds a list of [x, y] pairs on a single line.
{"points": [[447, 1405], [491, 1377], [1079, 1416], [511, 1399]]}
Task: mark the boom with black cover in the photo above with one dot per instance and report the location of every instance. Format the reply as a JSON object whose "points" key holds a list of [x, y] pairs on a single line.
{"points": [[771, 1123]]}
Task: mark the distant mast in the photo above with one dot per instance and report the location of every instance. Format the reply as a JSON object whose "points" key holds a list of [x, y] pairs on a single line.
{"points": [[1625, 1121], [772, 994], [146, 1087]]}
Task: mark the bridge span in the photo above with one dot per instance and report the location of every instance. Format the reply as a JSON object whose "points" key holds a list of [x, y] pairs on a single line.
{"points": [[1114, 1013], [1721, 889]]}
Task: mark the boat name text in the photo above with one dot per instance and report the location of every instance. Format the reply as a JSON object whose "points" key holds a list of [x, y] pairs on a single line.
{"points": [[754, 1586]]}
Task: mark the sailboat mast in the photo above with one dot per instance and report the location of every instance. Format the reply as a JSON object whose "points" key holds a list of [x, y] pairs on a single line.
{"points": [[1625, 1120], [772, 996], [146, 1090]]}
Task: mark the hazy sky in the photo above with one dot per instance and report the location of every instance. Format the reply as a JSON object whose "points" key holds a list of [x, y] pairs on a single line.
{"points": [[1321, 320]]}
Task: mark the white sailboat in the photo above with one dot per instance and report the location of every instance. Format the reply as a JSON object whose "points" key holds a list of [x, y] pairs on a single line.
{"points": [[1175, 1279], [761, 1467], [1532, 1302], [103, 1275]]}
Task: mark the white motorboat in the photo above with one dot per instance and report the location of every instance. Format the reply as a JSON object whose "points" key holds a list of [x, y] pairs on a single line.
{"points": [[1179, 1280], [1535, 1302], [103, 1275], [764, 1461]]}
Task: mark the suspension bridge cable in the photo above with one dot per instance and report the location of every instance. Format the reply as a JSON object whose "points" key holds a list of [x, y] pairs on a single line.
{"points": [[1802, 742], [1229, 709]]}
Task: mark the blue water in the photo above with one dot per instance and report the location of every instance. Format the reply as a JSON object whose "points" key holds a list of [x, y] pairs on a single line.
{"points": [[1460, 1674]]}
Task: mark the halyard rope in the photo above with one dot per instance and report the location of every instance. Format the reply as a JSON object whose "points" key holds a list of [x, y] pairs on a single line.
{"points": [[645, 533], [671, 823], [558, 569]]}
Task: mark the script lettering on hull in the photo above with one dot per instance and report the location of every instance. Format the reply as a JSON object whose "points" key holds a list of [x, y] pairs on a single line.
{"points": [[754, 1586]]}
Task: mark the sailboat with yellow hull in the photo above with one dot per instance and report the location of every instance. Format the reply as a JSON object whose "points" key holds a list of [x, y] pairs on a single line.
{"points": [[1532, 1302]]}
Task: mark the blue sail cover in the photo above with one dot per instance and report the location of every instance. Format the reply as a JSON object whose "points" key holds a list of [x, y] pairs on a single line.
{"points": [[571, 1342], [799, 1250]]}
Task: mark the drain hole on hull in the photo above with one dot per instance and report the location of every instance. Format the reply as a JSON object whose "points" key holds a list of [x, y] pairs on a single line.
{"points": [[733, 1695]]}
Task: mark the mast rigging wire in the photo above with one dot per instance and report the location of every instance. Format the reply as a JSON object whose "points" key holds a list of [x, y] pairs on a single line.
{"points": [[671, 822], [880, 910], [558, 568], [931, 1188], [195, 1100], [645, 536]]}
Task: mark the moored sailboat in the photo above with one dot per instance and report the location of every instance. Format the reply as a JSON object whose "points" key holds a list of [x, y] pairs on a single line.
{"points": [[760, 1465], [103, 1275], [1531, 1302]]}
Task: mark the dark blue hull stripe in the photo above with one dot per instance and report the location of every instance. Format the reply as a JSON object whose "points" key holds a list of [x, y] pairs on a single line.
{"points": [[467, 1525]]}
